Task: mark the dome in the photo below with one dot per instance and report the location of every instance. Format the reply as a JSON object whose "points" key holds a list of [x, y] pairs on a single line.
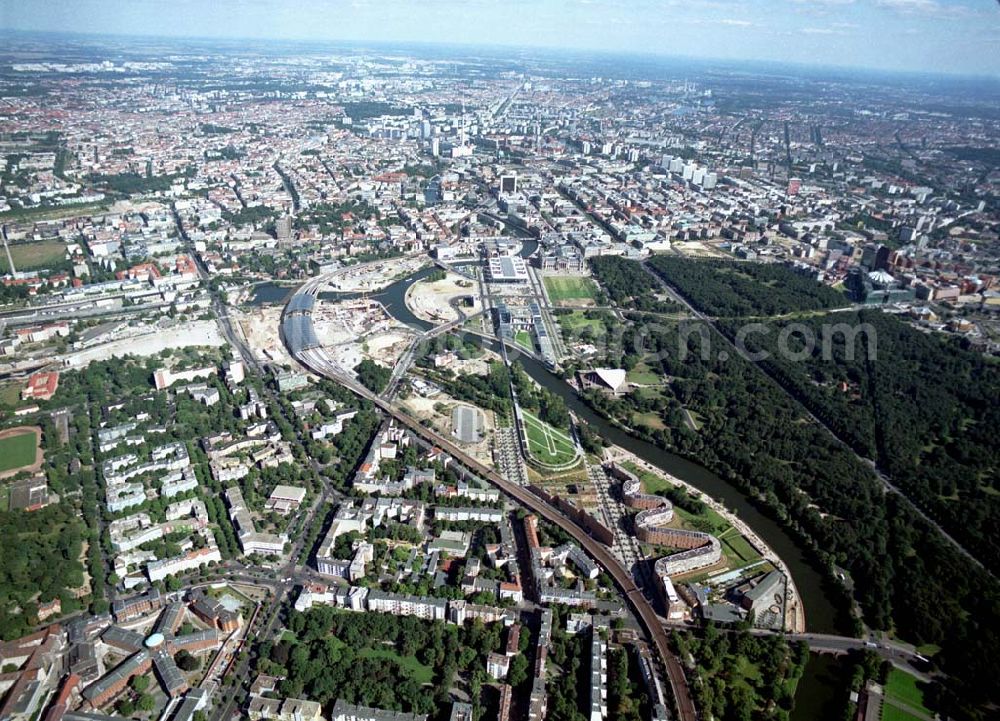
{"points": [[880, 277], [155, 641]]}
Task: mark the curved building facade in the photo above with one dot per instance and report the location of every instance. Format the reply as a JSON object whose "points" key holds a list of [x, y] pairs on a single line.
{"points": [[698, 549]]}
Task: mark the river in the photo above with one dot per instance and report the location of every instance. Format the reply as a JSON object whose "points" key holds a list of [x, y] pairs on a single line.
{"points": [[822, 616], [270, 294], [820, 683]]}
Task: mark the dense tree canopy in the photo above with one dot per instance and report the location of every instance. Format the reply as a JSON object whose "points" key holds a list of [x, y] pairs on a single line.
{"points": [[727, 288], [370, 658], [906, 577], [628, 285]]}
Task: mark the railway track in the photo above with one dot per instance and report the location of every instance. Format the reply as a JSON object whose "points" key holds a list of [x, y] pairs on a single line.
{"points": [[650, 621]]}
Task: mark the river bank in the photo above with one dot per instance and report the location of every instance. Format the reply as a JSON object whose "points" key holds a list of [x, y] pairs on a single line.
{"points": [[795, 620]]}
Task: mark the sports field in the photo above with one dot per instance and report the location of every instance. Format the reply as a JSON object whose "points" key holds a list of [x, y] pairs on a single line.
{"points": [[546, 444], [561, 288], [34, 255], [10, 394], [18, 449]]}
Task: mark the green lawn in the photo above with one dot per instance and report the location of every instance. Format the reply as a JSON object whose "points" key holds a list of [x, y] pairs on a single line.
{"points": [[10, 394], [34, 255], [70, 210], [17, 451], [740, 548], [651, 483], [643, 375], [891, 713], [905, 688], [561, 288], [651, 420], [576, 322], [229, 591], [546, 444], [708, 521], [417, 671], [523, 339]]}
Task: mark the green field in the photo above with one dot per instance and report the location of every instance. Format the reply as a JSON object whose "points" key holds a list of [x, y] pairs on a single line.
{"points": [[650, 420], [562, 288], [229, 591], [417, 671], [523, 339], [546, 444], [738, 547], [891, 713], [573, 324], [708, 521], [905, 688], [643, 375], [651, 483], [44, 212], [17, 451], [34, 256], [10, 394]]}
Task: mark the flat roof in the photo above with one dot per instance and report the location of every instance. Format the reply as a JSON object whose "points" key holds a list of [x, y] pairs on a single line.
{"points": [[466, 421], [294, 493]]}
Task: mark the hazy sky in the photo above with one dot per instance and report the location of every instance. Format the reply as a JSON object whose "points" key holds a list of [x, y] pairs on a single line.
{"points": [[943, 35]]}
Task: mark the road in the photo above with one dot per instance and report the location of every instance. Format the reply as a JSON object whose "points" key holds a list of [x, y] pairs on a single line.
{"points": [[407, 359], [316, 361], [290, 573], [886, 481], [899, 654]]}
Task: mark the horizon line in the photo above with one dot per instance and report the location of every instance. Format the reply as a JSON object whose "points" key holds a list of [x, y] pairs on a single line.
{"points": [[942, 74]]}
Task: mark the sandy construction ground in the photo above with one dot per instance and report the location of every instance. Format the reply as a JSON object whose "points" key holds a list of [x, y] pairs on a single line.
{"points": [[357, 329], [352, 321], [261, 328], [346, 356], [697, 249], [432, 301], [373, 276], [475, 366], [387, 348], [437, 411], [151, 341]]}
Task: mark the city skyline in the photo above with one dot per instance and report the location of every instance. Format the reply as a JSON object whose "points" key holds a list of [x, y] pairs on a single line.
{"points": [[949, 36]]}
